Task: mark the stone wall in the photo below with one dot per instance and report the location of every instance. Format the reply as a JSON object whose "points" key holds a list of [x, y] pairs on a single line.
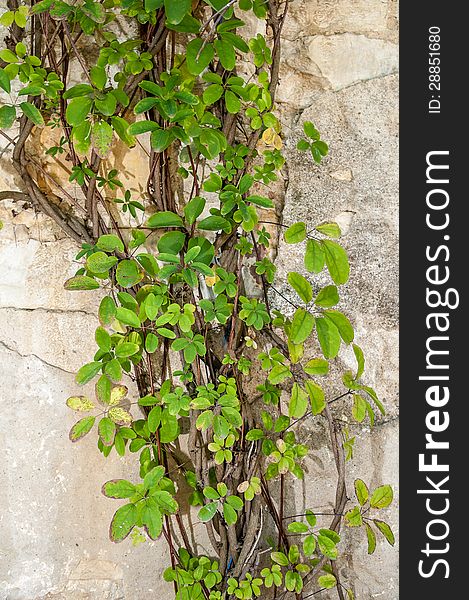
{"points": [[339, 70]]}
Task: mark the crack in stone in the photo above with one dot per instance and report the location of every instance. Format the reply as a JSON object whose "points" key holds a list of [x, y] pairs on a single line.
{"points": [[57, 311], [301, 109], [17, 352]]}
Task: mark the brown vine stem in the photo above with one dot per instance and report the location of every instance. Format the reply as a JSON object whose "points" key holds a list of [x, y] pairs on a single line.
{"points": [[78, 54]]}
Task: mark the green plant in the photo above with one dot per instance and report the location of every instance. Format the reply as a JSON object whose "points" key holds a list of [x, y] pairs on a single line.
{"points": [[176, 316]]}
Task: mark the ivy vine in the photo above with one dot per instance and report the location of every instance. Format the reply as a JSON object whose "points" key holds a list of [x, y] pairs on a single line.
{"points": [[183, 331]]}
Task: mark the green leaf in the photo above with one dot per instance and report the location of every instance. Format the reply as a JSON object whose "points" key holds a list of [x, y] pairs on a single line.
{"points": [[154, 419], [7, 116], [229, 514], [360, 360], [309, 545], [233, 103], [177, 10], [160, 139], [311, 518], [169, 430], [165, 219], [77, 110], [5, 81], [298, 528], [126, 349], [336, 261], [87, 372], [303, 145], [8, 56], [211, 493], [151, 343], [106, 311], [106, 430], [295, 233], [281, 423], [152, 519], [194, 209], [214, 183], [342, 323], [110, 243], [151, 5], [103, 339], [207, 512], [327, 546], [254, 434], [103, 389], [330, 229], [98, 77], [316, 394], [370, 391], [81, 282], [327, 581], [327, 297], [353, 517], [121, 127], [118, 488], [154, 476], [328, 336], [123, 521], [301, 326], [317, 366], [278, 374], [213, 93], [165, 501], [81, 428], [81, 89], [102, 135], [114, 370], [226, 53], [214, 223], [310, 130], [106, 106], [381, 497], [314, 257], [359, 408], [280, 558], [32, 113], [140, 127], [370, 534], [100, 262], [361, 491], [127, 317], [298, 402], [198, 55], [385, 530], [301, 286], [128, 274], [290, 580], [204, 420]]}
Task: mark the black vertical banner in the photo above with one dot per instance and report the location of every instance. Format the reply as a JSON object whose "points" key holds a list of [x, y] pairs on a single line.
{"points": [[434, 234]]}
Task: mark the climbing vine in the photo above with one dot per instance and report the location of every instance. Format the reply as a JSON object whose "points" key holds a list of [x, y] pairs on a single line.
{"points": [[197, 374]]}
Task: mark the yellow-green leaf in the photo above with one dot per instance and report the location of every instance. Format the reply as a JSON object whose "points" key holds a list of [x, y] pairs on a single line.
{"points": [[382, 497], [80, 403], [301, 286], [81, 428], [385, 530], [120, 416], [317, 397]]}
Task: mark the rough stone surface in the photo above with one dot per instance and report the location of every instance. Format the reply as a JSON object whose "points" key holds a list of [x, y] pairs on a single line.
{"points": [[339, 71]]}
